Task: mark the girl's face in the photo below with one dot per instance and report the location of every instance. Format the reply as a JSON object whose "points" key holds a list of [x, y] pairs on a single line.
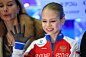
{"points": [[51, 22], [8, 10]]}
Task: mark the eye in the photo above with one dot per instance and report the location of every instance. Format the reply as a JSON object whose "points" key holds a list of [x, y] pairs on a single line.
{"points": [[53, 21], [1, 6], [9, 4], [44, 21]]}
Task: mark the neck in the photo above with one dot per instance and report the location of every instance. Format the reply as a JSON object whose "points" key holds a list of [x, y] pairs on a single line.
{"points": [[54, 36], [10, 25]]}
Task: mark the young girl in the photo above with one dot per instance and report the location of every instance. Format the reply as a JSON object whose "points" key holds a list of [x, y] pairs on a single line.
{"points": [[54, 44]]}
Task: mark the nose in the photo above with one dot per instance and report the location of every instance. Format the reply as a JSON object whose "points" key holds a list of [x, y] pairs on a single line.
{"points": [[48, 24], [5, 9]]}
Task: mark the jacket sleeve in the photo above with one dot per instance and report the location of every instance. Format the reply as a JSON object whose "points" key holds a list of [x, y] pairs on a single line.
{"points": [[18, 50], [75, 50], [30, 54], [83, 46]]}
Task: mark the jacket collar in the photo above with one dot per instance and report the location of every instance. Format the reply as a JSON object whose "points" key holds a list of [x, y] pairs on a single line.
{"points": [[59, 37]]}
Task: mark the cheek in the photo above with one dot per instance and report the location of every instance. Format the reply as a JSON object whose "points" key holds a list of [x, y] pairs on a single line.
{"points": [[14, 12], [43, 25], [57, 26], [14, 9], [1, 12]]}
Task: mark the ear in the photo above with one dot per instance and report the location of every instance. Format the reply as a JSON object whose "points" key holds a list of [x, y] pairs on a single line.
{"points": [[62, 21]]}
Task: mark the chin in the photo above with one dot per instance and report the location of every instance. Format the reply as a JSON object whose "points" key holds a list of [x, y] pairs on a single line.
{"points": [[49, 33], [7, 20]]}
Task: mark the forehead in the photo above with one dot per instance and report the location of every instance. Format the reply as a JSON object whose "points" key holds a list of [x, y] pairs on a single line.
{"points": [[49, 14], [5, 1]]}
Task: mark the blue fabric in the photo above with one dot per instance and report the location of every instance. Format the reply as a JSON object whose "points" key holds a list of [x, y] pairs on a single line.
{"points": [[19, 45], [11, 56], [78, 52], [45, 33], [53, 44], [59, 37]]}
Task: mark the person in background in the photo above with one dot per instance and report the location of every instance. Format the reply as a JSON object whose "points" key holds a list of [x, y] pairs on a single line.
{"points": [[83, 46], [12, 13], [54, 44]]}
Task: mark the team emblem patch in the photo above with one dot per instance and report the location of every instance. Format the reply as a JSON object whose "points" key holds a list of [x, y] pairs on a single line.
{"points": [[63, 48], [41, 41]]}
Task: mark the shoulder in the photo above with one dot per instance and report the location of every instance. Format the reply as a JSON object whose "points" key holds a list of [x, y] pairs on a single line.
{"points": [[71, 41], [2, 28], [25, 17], [40, 42], [68, 39], [73, 44]]}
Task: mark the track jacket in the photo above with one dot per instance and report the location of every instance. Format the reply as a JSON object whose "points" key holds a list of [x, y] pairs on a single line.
{"points": [[63, 47]]}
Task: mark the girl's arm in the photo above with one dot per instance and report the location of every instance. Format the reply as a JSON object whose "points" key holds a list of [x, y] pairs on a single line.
{"points": [[18, 50], [75, 50]]}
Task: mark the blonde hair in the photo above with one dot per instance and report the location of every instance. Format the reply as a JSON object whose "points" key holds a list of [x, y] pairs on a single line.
{"points": [[56, 7]]}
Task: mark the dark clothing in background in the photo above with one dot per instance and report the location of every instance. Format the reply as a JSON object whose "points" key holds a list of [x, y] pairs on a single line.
{"points": [[83, 46]]}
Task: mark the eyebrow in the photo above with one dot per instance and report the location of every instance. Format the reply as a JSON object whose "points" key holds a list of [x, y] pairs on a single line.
{"points": [[9, 1], [50, 19], [53, 18]]}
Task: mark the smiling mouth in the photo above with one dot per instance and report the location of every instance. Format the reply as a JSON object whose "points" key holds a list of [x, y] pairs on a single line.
{"points": [[49, 30]]}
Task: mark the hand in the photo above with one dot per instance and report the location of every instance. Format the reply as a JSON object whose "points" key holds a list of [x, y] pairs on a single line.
{"points": [[20, 36]]}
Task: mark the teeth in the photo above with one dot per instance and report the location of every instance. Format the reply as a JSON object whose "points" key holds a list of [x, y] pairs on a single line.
{"points": [[49, 29]]}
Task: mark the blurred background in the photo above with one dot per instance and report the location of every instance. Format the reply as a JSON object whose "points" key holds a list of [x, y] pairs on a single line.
{"points": [[75, 14]]}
